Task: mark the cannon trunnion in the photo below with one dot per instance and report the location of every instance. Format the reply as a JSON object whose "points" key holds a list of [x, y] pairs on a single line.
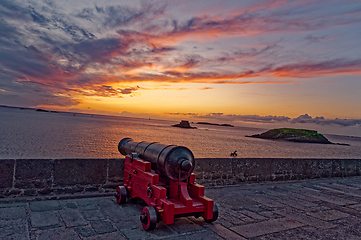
{"points": [[162, 176]]}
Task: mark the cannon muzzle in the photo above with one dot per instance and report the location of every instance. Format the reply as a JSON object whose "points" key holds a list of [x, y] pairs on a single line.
{"points": [[174, 162]]}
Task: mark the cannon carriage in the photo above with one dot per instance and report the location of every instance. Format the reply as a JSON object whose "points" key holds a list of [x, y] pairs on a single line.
{"points": [[162, 175]]}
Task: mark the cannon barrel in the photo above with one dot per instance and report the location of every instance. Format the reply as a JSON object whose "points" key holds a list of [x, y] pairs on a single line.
{"points": [[171, 161]]}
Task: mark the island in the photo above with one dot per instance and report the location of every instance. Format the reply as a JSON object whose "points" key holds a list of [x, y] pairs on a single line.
{"points": [[294, 135], [216, 124], [183, 124]]}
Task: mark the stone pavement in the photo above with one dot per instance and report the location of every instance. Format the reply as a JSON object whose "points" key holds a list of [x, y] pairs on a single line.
{"points": [[307, 209]]}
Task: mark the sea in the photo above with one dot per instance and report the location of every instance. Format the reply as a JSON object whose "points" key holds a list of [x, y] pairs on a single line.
{"points": [[30, 134]]}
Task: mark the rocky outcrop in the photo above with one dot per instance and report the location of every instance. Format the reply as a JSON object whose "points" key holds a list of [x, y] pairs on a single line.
{"points": [[183, 124], [294, 135]]}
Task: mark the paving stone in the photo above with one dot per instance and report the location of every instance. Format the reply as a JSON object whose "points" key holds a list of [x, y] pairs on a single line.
{"points": [[202, 235], [108, 236], [225, 232], [232, 219], [303, 218], [12, 213], [113, 211], [266, 201], [16, 204], [294, 202], [326, 197], [84, 231], [42, 206], [355, 206], [101, 227], [44, 220], [62, 233], [93, 215], [68, 204], [184, 225], [329, 215], [269, 214], [162, 230], [135, 234], [224, 221], [16, 229], [127, 224], [72, 218], [255, 208], [253, 215], [132, 209], [266, 227], [86, 204]]}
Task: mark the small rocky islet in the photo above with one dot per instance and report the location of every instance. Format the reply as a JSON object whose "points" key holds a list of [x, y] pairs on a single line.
{"points": [[295, 135]]}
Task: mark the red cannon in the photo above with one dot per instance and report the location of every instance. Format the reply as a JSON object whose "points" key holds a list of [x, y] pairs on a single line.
{"points": [[162, 176]]}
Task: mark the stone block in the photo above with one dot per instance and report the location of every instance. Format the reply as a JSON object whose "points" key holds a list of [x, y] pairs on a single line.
{"points": [[14, 229], [65, 233], [12, 213], [93, 215], [86, 204], [266, 227], [305, 168], [30, 192], [85, 231], [101, 227], [257, 167], [33, 169], [350, 167], [213, 164], [41, 206], [80, 171], [6, 173], [115, 170], [44, 220], [72, 218]]}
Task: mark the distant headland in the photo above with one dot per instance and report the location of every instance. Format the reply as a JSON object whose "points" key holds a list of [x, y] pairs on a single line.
{"points": [[295, 135]]}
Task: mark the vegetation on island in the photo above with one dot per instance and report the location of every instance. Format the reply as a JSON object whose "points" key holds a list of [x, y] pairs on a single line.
{"points": [[294, 135]]}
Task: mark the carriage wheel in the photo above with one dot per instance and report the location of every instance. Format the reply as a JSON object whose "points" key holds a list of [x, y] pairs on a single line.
{"points": [[215, 214], [149, 218], [121, 194]]}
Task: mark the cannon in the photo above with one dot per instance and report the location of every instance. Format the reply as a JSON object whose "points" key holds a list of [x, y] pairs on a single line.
{"points": [[162, 175]]}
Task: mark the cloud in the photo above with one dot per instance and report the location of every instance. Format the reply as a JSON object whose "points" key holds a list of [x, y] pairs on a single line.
{"points": [[302, 119], [237, 118], [48, 46], [322, 121], [315, 69]]}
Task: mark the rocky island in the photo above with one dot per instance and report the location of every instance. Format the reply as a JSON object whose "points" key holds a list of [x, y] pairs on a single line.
{"points": [[183, 124], [216, 124], [293, 135]]}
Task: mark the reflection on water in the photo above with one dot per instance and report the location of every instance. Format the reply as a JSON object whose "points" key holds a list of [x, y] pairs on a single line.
{"points": [[31, 134]]}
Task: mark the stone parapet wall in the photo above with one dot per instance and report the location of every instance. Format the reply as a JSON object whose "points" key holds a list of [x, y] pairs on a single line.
{"points": [[227, 171], [38, 177], [33, 177]]}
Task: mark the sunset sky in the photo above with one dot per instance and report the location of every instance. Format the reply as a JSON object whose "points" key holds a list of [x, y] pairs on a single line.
{"points": [[244, 61]]}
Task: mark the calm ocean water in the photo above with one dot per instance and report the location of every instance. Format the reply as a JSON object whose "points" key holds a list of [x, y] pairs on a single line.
{"points": [[27, 134]]}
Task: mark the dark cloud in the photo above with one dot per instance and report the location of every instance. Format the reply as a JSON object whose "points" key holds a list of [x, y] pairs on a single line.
{"points": [[322, 121], [314, 69]]}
